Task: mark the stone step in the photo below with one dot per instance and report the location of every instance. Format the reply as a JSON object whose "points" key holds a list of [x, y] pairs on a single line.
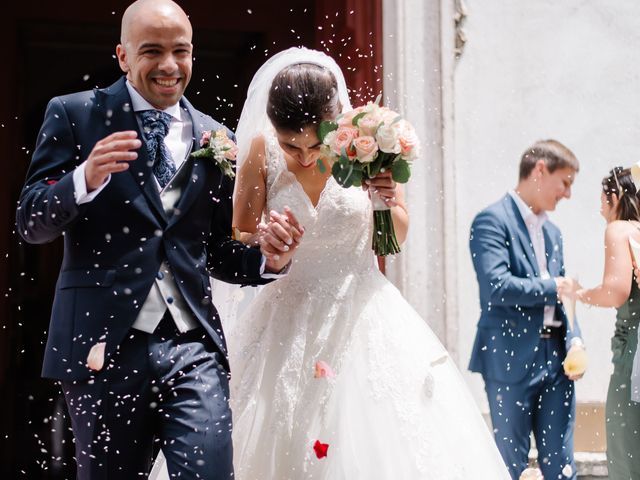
{"points": [[591, 465]]}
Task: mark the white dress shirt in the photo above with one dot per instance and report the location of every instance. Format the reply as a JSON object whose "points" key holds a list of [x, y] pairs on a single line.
{"points": [[534, 225]]}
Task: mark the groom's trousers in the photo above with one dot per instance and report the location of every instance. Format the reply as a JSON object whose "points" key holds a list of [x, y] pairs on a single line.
{"points": [[543, 402], [166, 385]]}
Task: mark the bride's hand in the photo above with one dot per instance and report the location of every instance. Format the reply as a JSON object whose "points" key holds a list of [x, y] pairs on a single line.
{"points": [[383, 185], [279, 238]]}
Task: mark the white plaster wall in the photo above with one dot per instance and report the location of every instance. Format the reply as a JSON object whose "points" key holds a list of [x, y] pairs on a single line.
{"points": [[539, 69]]}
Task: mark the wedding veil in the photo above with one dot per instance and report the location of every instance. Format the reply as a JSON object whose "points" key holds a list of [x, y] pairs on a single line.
{"points": [[254, 119]]}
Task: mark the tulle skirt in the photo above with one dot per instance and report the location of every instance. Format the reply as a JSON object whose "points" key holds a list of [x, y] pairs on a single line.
{"points": [[342, 379]]}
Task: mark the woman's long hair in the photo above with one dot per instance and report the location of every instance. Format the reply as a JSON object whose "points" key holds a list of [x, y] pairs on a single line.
{"points": [[621, 183]]}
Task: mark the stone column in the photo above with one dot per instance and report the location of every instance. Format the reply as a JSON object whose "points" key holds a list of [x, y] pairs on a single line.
{"points": [[419, 57]]}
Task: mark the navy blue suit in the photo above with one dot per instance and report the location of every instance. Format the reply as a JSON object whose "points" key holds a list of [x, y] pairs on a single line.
{"points": [[113, 248], [526, 386]]}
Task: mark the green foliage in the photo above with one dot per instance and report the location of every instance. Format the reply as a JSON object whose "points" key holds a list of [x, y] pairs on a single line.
{"points": [[400, 170], [325, 128], [357, 118], [206, 152]]}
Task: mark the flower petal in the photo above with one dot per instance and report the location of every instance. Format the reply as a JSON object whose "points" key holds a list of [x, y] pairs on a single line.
{"points": [[320, 449], [95, 359], [323, 370]]}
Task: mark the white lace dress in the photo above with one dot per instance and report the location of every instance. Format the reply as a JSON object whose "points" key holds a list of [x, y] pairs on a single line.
{"points": [[397, 407]]}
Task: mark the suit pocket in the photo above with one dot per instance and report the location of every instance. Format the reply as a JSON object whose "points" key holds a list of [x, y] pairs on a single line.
{"points": [[86, 278]]}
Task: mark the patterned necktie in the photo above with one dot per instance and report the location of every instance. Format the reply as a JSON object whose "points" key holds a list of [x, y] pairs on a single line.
{"points": [[155, 126]]}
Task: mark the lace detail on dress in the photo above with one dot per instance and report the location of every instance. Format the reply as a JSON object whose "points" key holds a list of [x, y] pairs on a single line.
{"points": [[338, 232]]}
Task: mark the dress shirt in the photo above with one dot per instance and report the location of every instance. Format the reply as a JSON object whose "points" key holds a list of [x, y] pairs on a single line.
{"points": [[534, 225]]}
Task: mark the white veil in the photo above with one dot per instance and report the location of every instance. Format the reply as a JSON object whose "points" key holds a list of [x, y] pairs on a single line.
{"points": [[254, 119]]}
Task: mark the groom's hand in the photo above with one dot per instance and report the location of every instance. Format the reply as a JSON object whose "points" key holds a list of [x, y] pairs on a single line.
{"points": [[279, 239], [110, 155]]}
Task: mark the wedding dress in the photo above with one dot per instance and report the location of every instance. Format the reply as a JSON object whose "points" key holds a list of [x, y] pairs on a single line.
{"points": [[386, 398]]}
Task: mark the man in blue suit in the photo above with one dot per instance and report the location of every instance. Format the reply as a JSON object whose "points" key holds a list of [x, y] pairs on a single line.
{"points": [[134, 337], [523, 333]]}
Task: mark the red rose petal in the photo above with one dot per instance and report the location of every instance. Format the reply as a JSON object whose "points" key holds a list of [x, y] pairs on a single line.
{"points": [[320, 449], [52, 182]]}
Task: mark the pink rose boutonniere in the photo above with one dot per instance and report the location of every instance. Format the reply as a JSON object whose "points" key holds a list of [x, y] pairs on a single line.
{"points": [[217, 146]]}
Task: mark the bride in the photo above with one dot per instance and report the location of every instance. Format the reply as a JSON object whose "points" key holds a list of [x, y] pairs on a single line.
{"points": [[335, 376]]}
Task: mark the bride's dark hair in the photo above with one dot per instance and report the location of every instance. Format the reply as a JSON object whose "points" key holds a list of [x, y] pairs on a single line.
{"points": [[621, 183], [301, 95]]}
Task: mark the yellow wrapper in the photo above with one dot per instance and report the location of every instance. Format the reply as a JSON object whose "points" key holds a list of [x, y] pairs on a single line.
{"points": [[531, 474], [575, 363]]}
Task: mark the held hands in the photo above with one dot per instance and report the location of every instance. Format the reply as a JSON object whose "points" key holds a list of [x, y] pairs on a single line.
{"points": [[570, 288], [110, 155], [279, 239], [383, 185], [567, 287]]}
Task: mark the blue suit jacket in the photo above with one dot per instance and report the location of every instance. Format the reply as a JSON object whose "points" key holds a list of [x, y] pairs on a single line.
{"points": [[512, 294], [113, 245]]}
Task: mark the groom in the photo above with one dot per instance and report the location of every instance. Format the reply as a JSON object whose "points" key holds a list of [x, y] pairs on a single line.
{"points": [[134, 338], [523, 332]]}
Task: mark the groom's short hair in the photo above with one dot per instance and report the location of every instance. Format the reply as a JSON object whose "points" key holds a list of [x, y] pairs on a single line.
{"points": [[554, 154]]}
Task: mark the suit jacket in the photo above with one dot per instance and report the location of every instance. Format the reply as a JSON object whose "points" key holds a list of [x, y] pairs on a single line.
{"points": [[113, 245], [512, 293]]}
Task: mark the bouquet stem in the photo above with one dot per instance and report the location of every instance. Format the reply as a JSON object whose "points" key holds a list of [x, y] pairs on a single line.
{"points": [[384, 235]]}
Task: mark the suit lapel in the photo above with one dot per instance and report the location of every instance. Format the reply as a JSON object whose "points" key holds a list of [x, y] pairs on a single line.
{"points": [[118, 102], [196, 178], [521, 232]]}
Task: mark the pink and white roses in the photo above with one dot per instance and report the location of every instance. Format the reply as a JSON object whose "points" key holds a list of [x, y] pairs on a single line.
{"points": [[217, 146], [364, 142]]}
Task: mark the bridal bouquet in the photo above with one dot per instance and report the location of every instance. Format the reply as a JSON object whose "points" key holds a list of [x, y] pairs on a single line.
{"points": [[362, 143]]}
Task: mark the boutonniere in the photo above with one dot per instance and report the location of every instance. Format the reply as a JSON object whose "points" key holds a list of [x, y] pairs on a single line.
{"points": [[217, 146]]}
